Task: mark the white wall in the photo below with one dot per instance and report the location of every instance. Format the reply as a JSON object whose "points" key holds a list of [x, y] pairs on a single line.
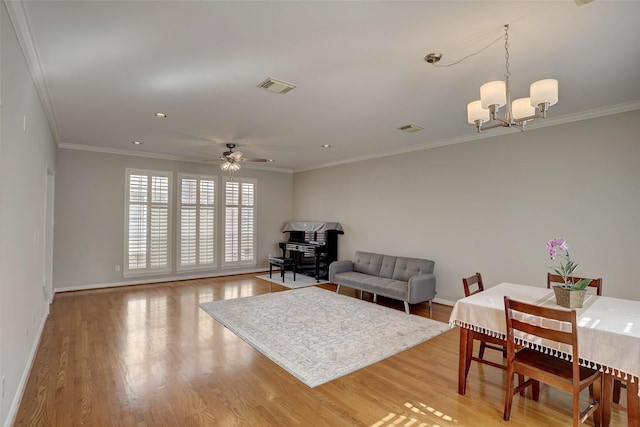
{"points": [[490, 205], [89, 228], [24, 159]]}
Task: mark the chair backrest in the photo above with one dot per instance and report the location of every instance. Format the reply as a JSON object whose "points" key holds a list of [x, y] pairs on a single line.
{"points": [[595, 283], [469, 282], [547, 324]]}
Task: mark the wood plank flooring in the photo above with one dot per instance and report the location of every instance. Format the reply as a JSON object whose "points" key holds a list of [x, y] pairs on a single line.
{"points": [[148, 356]]}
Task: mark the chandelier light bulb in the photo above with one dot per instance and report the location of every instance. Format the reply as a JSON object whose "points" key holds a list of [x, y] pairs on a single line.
{"points": [[544, 91], [476, 112], [493, 93], [521, 108]]}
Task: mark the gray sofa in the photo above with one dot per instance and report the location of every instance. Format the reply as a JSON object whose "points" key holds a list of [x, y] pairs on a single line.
{"points": [[407, 279]]}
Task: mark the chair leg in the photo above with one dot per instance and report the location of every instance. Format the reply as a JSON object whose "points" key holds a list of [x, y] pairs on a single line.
{"points": [[508, 395], [483, 345], [576, 410], [406, 307], [597, 397], [535, 390]]}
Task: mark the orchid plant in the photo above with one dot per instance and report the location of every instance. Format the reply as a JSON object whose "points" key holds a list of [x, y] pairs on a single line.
{"points": [[565, 270]]}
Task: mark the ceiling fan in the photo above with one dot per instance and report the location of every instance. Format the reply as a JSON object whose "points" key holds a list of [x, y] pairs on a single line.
{"points": [[232, 159]]}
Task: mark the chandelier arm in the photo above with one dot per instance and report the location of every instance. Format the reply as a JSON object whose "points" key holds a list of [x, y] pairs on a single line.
{"points": [[484, 127], [535, 116]]}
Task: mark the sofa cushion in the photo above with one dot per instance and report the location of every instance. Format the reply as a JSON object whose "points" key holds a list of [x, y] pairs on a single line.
{"points": [[367, 263], [407, 267], [352, 278], [377, 285], [396, 289], [387, 267]]}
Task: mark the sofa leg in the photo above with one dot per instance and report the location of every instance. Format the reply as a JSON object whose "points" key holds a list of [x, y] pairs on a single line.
{"points": [[361, 294], [406, 307], [338, 289], [375, 297], [430, 312]]}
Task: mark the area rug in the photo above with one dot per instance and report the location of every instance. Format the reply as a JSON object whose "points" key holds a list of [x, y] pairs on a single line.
{"points": [[302, 280], [318, 335]]}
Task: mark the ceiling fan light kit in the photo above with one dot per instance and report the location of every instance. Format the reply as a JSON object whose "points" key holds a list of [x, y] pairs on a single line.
{"points": [[496, 94], [231, 159]]}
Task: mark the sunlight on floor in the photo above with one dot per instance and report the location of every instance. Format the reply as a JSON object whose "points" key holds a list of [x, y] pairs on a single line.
{"points": [[401, 420]]}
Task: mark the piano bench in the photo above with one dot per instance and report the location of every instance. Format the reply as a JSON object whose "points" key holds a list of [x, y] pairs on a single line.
{"points": [[283, 263]]}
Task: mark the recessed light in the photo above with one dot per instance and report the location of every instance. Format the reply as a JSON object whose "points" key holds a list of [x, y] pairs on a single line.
{"points": [[269, 160], [326, 146], [136, 142], [162, 115]]}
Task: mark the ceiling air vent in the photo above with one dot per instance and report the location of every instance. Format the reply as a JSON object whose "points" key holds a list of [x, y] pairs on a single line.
{"points": [[277, 86], [410, 128]]}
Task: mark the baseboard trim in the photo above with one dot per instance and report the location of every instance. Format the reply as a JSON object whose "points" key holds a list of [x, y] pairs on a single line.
{"points": [[444, 302], [149, 280], [15, 405]]}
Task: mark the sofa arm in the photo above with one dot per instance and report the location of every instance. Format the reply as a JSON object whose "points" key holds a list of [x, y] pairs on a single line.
{"points": [[339, 267], [422, 287]]}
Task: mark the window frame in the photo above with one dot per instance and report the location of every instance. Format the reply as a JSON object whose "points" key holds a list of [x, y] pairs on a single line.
{"points": [[148, 270], [198, 208], [224, 207]]}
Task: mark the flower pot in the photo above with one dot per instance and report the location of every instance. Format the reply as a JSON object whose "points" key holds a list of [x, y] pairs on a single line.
{"points": [[569, 298]]}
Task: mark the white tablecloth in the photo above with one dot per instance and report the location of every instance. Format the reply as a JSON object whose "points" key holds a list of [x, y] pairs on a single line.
{"points": [[609, 328]]}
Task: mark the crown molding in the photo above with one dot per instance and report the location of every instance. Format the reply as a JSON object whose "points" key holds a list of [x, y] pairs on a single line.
{"points": [[30, 51], [548, 122], [121, 152]]}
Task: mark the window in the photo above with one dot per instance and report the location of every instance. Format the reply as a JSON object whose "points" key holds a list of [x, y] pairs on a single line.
{"points": [[147, 222], [239, 221], [196, 222]]}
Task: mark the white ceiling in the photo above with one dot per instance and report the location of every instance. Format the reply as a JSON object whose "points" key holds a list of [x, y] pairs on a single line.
{"points": [[105, 67]]}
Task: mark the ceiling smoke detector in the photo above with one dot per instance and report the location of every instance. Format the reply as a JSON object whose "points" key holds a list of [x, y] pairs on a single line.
{"points": [[276, 86], [410, 128]]}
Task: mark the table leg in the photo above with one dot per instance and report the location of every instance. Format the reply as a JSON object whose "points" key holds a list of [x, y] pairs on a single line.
{"points": [[606, 398], [633, 403], [464, 359]]}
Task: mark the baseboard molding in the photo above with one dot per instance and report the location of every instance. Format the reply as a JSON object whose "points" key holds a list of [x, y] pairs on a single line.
{"points": [[149, 280], [444, 302], [13, 409]]}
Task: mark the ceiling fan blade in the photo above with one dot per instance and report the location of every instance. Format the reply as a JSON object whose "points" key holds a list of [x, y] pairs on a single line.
{"points": [[244, 159]]}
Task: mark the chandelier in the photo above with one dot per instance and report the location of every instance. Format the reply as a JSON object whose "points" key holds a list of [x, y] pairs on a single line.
{"points": [[484, 113]]}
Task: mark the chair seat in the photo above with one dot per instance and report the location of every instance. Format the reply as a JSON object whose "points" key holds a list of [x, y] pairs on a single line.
{"points": [[532, 359]]}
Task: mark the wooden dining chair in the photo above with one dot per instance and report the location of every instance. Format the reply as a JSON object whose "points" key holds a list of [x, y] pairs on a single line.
{"points": [[472, 285], [595, 283], [541, 366]]}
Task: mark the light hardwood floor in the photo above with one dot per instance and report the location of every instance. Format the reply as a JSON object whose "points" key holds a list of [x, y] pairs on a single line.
{"points": [[148, 356]]}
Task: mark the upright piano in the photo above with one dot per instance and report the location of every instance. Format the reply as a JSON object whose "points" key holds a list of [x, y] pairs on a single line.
{"points": [[313, 246]]}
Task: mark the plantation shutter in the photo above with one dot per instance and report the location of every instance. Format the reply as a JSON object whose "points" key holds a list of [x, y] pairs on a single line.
{"points": [[147, 242], [196, 222], [239, 221]]}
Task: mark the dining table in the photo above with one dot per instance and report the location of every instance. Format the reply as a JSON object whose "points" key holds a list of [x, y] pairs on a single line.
{"points": [[608, 336]]}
